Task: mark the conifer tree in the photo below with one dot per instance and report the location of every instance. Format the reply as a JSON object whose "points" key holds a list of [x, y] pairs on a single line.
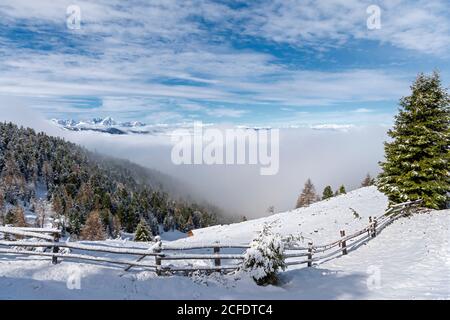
{"points": [[19, 217], [368, 181], [2, 212], [417, 158], [308, 195], [153, 225], [168, 223], [9, 217], [189, 224], [74, 223], [116, 226], [2, 202], [40, 211], [143, 232], [79, 182], [93, 229], [327, 193], [342, 190]]}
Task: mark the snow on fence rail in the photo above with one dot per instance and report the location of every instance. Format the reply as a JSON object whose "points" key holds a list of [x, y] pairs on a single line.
{"points": [[48, 239]]}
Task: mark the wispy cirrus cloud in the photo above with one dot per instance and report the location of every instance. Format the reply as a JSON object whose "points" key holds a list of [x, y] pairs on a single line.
{"points": [[214, 59], [417, 25]]}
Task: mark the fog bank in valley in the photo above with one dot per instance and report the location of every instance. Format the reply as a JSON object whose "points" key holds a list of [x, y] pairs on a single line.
{"points": [[328, 157]]}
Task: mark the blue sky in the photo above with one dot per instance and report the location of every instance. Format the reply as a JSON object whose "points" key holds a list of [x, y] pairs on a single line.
{"points": [[279, 62]]}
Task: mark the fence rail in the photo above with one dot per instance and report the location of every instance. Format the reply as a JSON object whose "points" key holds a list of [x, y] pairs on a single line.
{"points": [[323, 252], [48, 241]]}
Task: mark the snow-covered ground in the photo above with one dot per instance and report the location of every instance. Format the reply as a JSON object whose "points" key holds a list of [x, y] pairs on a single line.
{"points": [[410, 259], [320, 222]]}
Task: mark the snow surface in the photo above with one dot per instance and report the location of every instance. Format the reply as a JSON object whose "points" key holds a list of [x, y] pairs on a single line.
{"points": [[409, 259], [320, 222]]}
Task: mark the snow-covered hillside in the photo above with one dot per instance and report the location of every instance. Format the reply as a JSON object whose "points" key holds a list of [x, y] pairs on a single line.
{"points": [[320, 222], [407, 260]]}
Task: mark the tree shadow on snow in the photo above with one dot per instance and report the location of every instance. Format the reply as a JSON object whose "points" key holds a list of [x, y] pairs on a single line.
{"points": [[324, 284]]}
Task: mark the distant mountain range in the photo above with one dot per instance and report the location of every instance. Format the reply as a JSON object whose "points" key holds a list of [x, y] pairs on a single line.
{"points": [[109, 125]]}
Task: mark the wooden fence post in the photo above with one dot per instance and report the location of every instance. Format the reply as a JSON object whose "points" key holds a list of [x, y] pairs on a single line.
{"points": [[369, 231], [55, 248], [158, 265], [310, 249], [374, 230], [217, 261], [158, 259], [343, 243]]}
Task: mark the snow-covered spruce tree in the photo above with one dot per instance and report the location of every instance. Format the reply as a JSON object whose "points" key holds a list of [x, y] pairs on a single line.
{"points": [[327, 193], [168, 223], [416, 162], [308, 195], [153, 225], [143, 233], [93, 229], [116, 227], [342, 190], [264, 258]]}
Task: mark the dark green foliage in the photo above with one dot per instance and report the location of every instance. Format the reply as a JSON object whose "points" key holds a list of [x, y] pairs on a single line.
{"points": [[327, 193], [79, 182], [75, 222], [9, 217], [342, 190], [143, 232], [416, 162]]}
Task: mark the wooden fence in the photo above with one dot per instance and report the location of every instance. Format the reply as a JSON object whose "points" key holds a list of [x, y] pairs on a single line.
{"points": [[45, 243], [346, 243]]}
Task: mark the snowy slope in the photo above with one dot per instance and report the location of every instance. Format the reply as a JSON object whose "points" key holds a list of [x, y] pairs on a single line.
{"points": [[319, 222], [409, 259]]}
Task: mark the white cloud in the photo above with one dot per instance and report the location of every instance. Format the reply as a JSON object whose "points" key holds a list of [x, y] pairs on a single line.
{"points": [[332, 126], [417, 25], [124, 54], [363, 110], [226, 112]]}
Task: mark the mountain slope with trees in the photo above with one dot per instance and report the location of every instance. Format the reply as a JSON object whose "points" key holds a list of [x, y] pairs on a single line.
{"points": [[77, 182]]}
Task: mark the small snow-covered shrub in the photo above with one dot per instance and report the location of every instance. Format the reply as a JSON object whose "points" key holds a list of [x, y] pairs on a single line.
{"points": [[264, 258]]}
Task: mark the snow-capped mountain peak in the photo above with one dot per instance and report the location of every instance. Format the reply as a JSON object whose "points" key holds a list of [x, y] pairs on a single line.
{"points": [[105, 125], [108, 122], [133, 124]]}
